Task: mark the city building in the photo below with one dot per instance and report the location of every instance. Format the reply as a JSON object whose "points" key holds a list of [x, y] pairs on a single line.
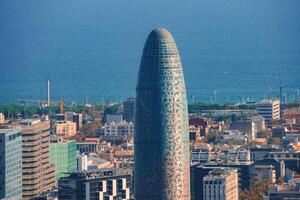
{"points": [[60, 117], [161, 142], [220, 154], [10, 164], [278, 132], [290, 157], [247, 127], [244, 170], [113, 118], [194, 133], [74, 117], [2, 118], [199, 123], [63, 156], [278, 166], [269, 110], [87, 147], [198, 172], [264, 173], [106, 184], [283, 192], [129, 105], [122, 128], [123, 158], [234, 136], [258, 153], [65, 128], [221, 184], [38, 174], [259, 123], [91, 161]]}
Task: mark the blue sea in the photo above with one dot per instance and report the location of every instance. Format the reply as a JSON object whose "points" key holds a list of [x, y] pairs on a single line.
{"points": [[230, 49]]}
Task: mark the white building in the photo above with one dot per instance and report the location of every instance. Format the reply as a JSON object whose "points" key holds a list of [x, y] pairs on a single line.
{"points": [[221, 184], [270, 110], [122, 128], [259, 123]]}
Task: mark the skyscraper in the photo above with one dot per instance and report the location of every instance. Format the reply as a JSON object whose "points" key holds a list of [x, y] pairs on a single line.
{"points": [[10, 164], [38, 174], [161, 123]]}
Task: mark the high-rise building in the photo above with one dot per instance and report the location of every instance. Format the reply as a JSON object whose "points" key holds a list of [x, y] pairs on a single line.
{"points": [[38, 173], [161, 123], [10, 164], [63, 157], [270, 110], [221, 184], [129, 105]]}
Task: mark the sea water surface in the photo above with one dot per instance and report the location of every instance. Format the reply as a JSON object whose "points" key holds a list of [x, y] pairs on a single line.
{"points": [[230, 49]]}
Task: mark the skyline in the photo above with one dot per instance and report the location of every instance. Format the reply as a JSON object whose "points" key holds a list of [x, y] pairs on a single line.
{"points": [[92, 55]]}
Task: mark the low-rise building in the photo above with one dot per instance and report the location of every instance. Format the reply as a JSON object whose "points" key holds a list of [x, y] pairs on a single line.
{"points": [[247, 127], [65, 128], [194, 133], [264, 173], [259, 123], [121, 128], [91, 161], [234, 136], [283, 192]]}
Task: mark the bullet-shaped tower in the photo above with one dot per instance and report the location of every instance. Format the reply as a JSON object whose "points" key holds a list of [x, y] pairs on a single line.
{"points": [[161, 123]]}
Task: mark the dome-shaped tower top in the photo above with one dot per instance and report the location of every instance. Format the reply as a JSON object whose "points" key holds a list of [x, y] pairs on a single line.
{"points": [[160, 42]]}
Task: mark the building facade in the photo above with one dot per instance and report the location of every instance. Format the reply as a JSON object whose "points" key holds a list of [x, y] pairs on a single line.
{"points": [[63, 157], [97, 185], [65, 128], [10, 164], [269, 110], [161, 123], [247, 127], [129, 105], [38, 173], [221, 184], [122, 128]]}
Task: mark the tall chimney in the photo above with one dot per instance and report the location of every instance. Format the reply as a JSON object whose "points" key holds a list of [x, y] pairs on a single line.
{"points": [[48, 91]]}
